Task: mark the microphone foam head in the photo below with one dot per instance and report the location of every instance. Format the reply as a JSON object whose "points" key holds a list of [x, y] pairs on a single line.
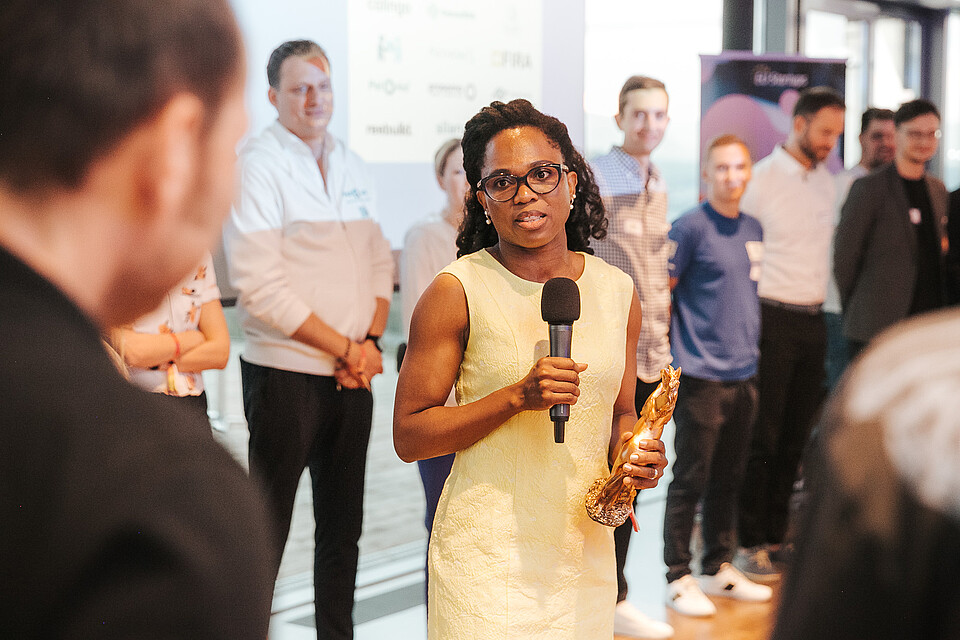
{"points": [[560, 301]]}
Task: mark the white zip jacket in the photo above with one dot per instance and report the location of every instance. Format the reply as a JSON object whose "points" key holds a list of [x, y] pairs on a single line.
{"points": [[294, 248]]}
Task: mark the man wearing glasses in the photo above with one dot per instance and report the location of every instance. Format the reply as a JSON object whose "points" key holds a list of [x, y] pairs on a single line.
{"points": [[635, 198], [890, 256]]}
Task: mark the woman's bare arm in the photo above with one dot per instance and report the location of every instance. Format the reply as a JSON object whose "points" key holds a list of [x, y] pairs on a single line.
{"points": [[214, 351], [422, 426], [147, 350]]}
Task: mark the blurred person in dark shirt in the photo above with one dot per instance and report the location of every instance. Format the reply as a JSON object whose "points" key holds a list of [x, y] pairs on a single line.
{"points": [[890, 246], [122, 517], [879, 545]]}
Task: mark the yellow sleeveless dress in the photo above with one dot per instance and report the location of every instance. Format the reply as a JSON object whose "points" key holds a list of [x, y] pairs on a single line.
{"points": [[513, 552]]}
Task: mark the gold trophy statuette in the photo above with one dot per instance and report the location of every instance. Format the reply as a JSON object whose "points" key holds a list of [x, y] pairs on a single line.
{"points": [[609, 501]]}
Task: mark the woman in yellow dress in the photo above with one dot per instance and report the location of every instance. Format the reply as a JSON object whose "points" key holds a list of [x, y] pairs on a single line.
{"points": [[513, 553]]}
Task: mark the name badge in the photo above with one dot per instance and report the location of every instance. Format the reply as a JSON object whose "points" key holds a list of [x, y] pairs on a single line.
{"points": [[914, 215], [355, 203], [755, 254], [633, 227]]}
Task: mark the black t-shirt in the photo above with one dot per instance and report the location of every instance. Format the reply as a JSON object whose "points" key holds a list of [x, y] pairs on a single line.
{"points": [[928, 291]]}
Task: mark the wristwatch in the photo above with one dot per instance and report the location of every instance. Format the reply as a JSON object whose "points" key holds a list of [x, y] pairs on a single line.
{"points": [[375, 340]]}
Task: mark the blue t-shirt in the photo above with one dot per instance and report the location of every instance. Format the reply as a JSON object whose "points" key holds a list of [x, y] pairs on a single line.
{"points": [[715, 325]]}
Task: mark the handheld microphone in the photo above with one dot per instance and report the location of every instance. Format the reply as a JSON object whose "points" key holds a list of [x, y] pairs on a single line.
{"points": [[560, 307]]}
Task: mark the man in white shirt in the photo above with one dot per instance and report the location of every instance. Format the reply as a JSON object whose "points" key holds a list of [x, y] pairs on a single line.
{"points": [[793, 195], [315, 277], [877, 146], [635, 198]]}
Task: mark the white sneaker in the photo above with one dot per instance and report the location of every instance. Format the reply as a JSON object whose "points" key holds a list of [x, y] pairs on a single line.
{"points": [[730, 583], [684, 596], [631, 622]]}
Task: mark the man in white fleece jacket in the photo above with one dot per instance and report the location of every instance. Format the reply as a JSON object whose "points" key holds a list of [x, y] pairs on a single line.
{"points": [[315, 276]]}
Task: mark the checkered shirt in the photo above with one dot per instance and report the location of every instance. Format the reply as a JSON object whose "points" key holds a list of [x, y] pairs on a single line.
{"points": [[637, 243]]}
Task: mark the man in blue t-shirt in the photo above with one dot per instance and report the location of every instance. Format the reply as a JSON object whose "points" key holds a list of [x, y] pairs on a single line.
{"points": [[714, 336]]}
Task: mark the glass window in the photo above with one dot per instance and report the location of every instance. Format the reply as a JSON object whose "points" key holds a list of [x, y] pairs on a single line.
{"points": [[825, 35], [830, 35], [892, 46], [951, 105], [664, 41]]}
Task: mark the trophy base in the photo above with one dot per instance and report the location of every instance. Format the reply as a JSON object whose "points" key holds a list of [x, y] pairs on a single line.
{"points": [[614, 514]]}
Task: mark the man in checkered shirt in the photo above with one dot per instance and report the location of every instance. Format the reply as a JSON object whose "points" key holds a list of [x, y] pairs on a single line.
{"points": [[635, 198]]}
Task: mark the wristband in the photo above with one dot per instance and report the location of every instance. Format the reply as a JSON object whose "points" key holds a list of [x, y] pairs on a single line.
{"points": [[375, 340], [346, 354], [176, 342]]}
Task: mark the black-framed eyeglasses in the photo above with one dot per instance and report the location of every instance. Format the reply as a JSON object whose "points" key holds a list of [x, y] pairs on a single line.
{"points": [[914, 134], [542, 179]]}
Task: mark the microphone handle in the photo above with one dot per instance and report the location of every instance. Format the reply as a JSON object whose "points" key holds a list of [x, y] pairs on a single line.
{"points": [[561, 336]]}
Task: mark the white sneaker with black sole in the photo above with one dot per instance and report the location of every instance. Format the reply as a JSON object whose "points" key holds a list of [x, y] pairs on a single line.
{"points": [[631, 622], [728, 582], [685, 597]]}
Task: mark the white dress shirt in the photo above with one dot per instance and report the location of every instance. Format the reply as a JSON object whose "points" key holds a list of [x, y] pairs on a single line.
{"points": [[796, 207], [297, 245]]}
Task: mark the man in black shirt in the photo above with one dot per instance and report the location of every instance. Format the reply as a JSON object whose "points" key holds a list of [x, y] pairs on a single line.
{"points": [[890, 248], [120, 516]]}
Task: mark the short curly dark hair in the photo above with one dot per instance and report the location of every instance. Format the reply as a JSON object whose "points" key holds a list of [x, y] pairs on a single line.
{"points": [[587, 218]]}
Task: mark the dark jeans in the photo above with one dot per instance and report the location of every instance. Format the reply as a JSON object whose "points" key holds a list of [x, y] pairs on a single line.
{"points": [[714, 421], [298, 420], [433, 474], [621, 535], [790, 381], [837, 353]]}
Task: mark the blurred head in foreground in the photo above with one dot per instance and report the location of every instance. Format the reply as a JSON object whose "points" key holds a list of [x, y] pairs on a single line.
{"points": [[118, 122]]}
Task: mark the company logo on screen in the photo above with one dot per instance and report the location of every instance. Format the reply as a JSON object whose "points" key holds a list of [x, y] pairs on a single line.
{"points": [[388, 86], [435, 11], [450, 128], [398, 129], [388, 49], [504, 94], [466, 91], [764, 76], [511, 59], [450, 55], [389, 6]]}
